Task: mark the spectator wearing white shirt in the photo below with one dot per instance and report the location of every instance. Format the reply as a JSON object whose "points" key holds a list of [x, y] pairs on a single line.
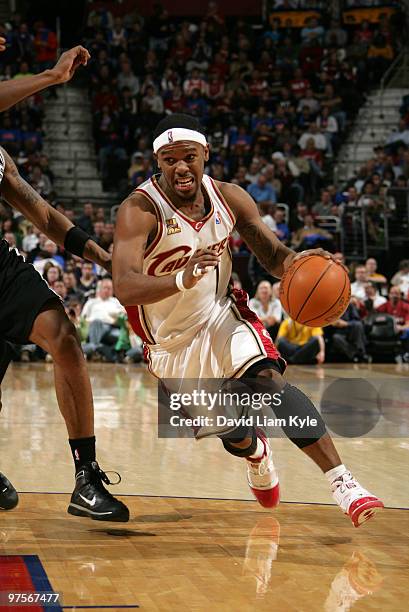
{"points": [[127, 78], [401, 278], [310, 101], [152, 104], [101, 313], [267, 307], [400, 136], [31, 239], [361, 279], [372, 300], [253, 172], [329, 127], [270, 222], [48, 254], [314, 134], [336, 34]]}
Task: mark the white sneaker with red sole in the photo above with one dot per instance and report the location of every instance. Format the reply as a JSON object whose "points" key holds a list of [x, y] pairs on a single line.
{"points": [[262, 476], [354, 500]]}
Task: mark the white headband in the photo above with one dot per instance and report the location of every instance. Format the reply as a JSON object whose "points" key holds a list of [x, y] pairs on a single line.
{"points": [[176, 134]]}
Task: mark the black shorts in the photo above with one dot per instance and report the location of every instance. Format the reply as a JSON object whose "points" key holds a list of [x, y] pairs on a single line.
{"points": [[23, 293]]}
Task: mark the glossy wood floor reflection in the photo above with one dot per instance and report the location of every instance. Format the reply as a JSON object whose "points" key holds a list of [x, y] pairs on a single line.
{"points": [[195, 540], [192, 554]]}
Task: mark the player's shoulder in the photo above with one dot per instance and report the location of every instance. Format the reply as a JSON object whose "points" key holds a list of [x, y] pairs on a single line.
{"points": [[137, 200], [237, 199], [230, 191]]}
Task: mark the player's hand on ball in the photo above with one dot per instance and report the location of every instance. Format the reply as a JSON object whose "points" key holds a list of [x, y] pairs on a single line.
{"points": [[321, 252], [201, 262], [68, 63], [2, 43], [309, 252]]}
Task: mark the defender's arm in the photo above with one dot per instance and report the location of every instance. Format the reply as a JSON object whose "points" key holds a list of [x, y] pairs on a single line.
{"points": [[19, 194], [15, 90]]}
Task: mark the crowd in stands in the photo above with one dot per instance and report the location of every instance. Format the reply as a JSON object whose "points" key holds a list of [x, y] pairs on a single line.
{"points": [[85, 289], [277, 100], [276, 103], [87, 294], [29, 49], [282, 5], [375, 324]]}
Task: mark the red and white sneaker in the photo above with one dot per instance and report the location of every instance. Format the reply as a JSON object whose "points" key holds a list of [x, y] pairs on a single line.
{"points": [[354, 500], [262, 476]]}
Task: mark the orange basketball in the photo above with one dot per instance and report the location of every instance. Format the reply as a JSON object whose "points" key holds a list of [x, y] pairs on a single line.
{"points": [[315, 291]]}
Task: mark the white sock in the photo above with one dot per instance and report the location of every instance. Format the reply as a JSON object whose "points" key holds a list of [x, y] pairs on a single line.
{"points": [[335, 473], [259, 452]]}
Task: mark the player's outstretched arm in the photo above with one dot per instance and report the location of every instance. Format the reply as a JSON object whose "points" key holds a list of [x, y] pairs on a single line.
{"points": [[261, 240], [19, 194], [15, 90], [136, 223]]}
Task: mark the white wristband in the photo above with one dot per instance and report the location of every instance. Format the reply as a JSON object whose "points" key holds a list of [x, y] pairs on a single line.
{"points": [[179, 281]]}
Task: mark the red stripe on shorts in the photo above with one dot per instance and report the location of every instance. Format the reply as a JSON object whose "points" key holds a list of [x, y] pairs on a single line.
{"points": [[241, 299], [134, 318]]}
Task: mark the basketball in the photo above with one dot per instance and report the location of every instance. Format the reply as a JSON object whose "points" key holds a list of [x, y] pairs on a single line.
{"points": [[315, 291]]}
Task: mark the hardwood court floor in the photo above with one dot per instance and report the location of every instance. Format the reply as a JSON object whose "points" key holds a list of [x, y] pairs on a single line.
{"points": [[193, 554], [199, 549]]}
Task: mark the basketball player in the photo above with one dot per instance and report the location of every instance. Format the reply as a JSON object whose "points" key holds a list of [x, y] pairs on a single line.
{"points": [[171, 269], [31, 312]]}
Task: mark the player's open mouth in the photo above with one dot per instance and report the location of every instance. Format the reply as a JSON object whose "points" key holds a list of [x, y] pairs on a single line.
{"points": [[184, 184]]}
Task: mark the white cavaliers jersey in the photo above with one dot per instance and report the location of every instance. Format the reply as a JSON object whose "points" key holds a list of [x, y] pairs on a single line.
{"points": [[176, 319]]}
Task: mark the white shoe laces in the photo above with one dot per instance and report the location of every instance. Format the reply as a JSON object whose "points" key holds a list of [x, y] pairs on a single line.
{"points": [[340, 483], [260, 467]]}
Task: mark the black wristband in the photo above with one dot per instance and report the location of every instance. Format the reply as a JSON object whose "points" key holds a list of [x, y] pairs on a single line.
{"points": [[75, 241]]}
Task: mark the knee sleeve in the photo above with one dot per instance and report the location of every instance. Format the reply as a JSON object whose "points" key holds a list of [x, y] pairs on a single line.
{"points": [[304, 424], [233, 437]]}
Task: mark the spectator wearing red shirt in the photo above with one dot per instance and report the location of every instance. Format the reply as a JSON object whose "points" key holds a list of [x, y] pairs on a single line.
{"points": [[299, 84], [257, 85], [194, 82], [365, 33], [215, 88], [45, 44], [399, 309], [180, 52], [219, 66], [312, 153], [176, 103]]}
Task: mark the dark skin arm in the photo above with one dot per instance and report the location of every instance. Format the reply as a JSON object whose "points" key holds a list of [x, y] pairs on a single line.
{"points": [[136, 223], [21, 196], [15, 90], [273, 255]]}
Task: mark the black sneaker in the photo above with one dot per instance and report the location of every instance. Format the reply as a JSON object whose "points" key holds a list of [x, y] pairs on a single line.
{"points": [[8, 494], [90, 498]]}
